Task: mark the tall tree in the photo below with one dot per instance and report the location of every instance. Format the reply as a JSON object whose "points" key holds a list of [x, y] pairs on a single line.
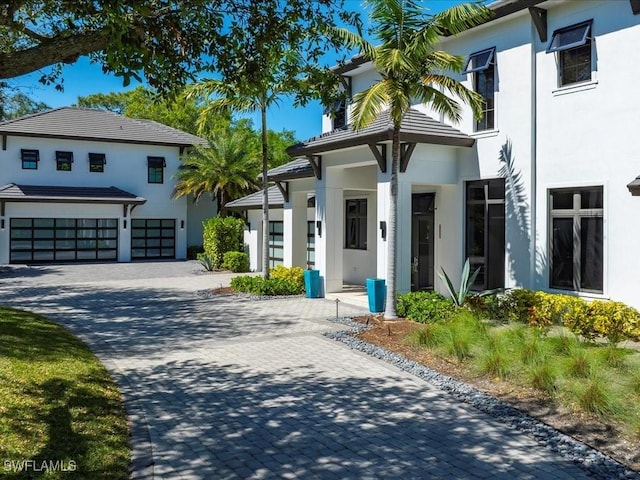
{"points": [[412, 69], [15, 105], [227, 168]]}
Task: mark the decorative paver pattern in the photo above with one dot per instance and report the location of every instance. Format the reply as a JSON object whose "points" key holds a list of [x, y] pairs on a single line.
{"points": [[229, 387]]}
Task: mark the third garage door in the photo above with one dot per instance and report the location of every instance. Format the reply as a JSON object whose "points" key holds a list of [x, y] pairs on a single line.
{"points": [[153, 238]]}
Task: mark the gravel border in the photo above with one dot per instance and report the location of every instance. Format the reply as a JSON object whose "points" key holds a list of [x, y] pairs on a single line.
{"points": [[594, 462]]}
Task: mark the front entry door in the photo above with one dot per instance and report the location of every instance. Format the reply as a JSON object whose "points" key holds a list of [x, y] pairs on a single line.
{"points": [[422, 241]]}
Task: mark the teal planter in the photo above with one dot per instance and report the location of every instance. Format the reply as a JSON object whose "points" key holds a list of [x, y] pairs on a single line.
{"points": [[312, 283], [376, 293]]}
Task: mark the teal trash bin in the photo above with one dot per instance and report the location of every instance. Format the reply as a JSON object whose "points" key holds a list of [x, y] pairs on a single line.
{"points": [[376, 293], [312, 283]]}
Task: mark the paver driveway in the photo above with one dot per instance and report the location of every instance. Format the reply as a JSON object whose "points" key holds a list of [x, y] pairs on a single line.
{"points": [[229, 388]]}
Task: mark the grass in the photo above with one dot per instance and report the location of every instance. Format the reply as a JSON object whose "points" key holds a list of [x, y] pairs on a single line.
{"points": [[57, 404], [599, 379]]}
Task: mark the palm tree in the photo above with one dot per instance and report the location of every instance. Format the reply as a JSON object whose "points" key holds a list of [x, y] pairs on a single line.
{"points": [[226, 168], [412, 70]]}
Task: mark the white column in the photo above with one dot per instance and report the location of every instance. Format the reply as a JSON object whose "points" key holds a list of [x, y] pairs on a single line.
{"points": [[383, 194], [124, 239], [403, 242], [329, 240], [295, 230]]}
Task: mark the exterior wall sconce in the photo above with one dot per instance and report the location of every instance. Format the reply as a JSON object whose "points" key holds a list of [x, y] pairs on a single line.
{"points": [[124, 224], [319, 227], [383, 230], [181, 224], [249, 226], [2, 224]]}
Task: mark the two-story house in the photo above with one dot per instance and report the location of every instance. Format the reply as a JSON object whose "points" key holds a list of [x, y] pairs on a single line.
{"points": [[90, 185]]}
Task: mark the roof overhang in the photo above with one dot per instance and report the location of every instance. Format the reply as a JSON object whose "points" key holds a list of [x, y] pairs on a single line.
{"points": [[181, 145], [13, 193]]}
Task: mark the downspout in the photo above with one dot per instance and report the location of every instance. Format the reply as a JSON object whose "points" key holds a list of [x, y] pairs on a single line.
{"points": [[534, 153]]}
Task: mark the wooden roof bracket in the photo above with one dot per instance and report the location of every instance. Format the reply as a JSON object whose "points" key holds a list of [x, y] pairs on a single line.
{"points": [[284, 190], [406, 150], [381, 155], [316, 164], [539, 17]]}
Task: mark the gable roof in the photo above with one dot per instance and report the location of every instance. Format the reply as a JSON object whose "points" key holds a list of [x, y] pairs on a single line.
{"points": [[56, 194], [416, 127], [97, 125]]}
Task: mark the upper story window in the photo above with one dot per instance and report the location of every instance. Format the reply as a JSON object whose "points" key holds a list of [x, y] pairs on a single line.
{"points": [[338, 114], [30, 159], [64, 161], [97, 162], [482, 65], [573, 47], [356, 224], [155, 169]]}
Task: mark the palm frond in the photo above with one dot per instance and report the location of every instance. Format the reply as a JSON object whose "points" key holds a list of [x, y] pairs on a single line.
{"points": [[353, 40], [462, 17], [457, 89], [368, 104]]}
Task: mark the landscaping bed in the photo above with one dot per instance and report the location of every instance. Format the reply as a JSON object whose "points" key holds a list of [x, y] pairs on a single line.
{"points": [[607, 434]]}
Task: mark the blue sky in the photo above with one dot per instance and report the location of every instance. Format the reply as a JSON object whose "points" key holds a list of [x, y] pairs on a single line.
{"points": [[83, 78]]}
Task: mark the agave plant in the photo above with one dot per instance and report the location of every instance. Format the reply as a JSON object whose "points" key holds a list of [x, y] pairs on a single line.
{"points": [[206, 261], [466, 282]]}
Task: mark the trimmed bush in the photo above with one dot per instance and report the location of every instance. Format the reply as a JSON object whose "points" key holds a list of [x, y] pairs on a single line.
{"points": [[425, 307], [271, 286], [551, 309], [294, 275], [221, 235], [614, 320], [237, 262]]}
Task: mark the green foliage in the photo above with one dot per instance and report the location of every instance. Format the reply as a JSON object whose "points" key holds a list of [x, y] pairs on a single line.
{"points": [[595, 397], [294, 275], [15, 105], [237, 262], [466, 282], [206, 261], [270, 286], [551, 309], [579, 364], [193, 251], [514, 305], [543, 377], [426, 336], [221, 235], [459, 334], [425, 306], [614, 320]]}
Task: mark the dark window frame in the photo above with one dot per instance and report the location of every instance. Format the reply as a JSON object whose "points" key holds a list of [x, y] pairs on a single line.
{"points": [[273, 237], [164, 248], [574, 58], [311, 243], [155, 169], [355, 236], [482, 65], [97, 161], [576, 214], [493, 256], [64, 161], [29, 158]]}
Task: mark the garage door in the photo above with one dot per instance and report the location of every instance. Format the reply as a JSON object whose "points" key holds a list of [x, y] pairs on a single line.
{"points": [[153, 238], [63, 239]]}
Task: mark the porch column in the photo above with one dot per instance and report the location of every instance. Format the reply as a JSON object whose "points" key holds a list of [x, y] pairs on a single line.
{"points": [[383, 195], [403, 242], [330, 230], [295, 230]]}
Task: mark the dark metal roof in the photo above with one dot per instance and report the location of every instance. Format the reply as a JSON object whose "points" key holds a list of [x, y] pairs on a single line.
{"points": [[254, 200], [56, 194], [416, 128], [96, 125], [634, 187], [298, 168], [501, 8]]}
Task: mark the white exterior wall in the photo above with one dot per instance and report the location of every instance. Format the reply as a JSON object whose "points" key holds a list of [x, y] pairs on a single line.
{"points": [[126, 168]]}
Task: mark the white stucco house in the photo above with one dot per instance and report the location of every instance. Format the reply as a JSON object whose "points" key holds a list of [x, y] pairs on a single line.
{"points": [[540, 193], [90, 185]]}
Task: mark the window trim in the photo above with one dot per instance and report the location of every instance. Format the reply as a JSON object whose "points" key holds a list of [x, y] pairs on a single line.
{"points": [[62, 158], [97, 160], [273, 260], [484, 66], [35, 160], [587, 35], [158, 165], [361, 244], [576, 215]]}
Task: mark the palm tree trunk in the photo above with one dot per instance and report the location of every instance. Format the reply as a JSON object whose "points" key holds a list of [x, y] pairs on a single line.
{"points": [[390, 308], [265, 194]]}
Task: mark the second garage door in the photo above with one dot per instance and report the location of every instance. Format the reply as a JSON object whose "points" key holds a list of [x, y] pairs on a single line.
{"points": [[153, 238]]}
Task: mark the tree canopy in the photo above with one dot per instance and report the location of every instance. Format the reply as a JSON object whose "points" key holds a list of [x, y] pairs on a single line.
{"points": [[14, 105], [164, 41]]}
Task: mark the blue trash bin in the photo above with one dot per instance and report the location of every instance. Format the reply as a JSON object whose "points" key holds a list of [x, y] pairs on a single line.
{"points": [[377, 294], [312, 283]]}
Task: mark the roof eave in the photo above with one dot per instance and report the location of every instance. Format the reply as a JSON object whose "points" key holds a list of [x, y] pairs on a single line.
{"points": [[97, 139], [50, 199]]}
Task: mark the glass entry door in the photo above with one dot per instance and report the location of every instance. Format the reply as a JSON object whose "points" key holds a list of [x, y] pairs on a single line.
{"points": [[422, 241]]}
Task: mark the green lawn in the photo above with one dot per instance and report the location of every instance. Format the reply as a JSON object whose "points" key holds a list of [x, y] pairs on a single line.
{"points": [[61, 414]]}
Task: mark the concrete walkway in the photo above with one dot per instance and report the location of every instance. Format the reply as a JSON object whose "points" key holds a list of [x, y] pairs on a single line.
{"points": [[233, 388]]}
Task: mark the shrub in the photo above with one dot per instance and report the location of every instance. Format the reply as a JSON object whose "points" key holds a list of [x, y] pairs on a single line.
{"points": [[291, 274], [425, 306], [426, 336], [236, 261], [594, 397], [220, 235], [260, 286], [614, 320], [543, 377], [193, 251], [206, 261], [515, 305], [551, 309], [579, 364], [532, 351]]}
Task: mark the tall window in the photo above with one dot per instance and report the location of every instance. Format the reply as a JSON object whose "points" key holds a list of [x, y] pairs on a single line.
{"points": [[64, 161], [482, 66], [311, 244], [30, 159], [576, 239], [155, 166], [573, 48], [276, 243], [485, 231], [97, 162], [356, 224], [338, 114]]}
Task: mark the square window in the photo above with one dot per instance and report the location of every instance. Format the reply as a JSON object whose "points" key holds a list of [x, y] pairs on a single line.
{"points": [[155, 169], [30, 159], [97, 162], [64, 161]]}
